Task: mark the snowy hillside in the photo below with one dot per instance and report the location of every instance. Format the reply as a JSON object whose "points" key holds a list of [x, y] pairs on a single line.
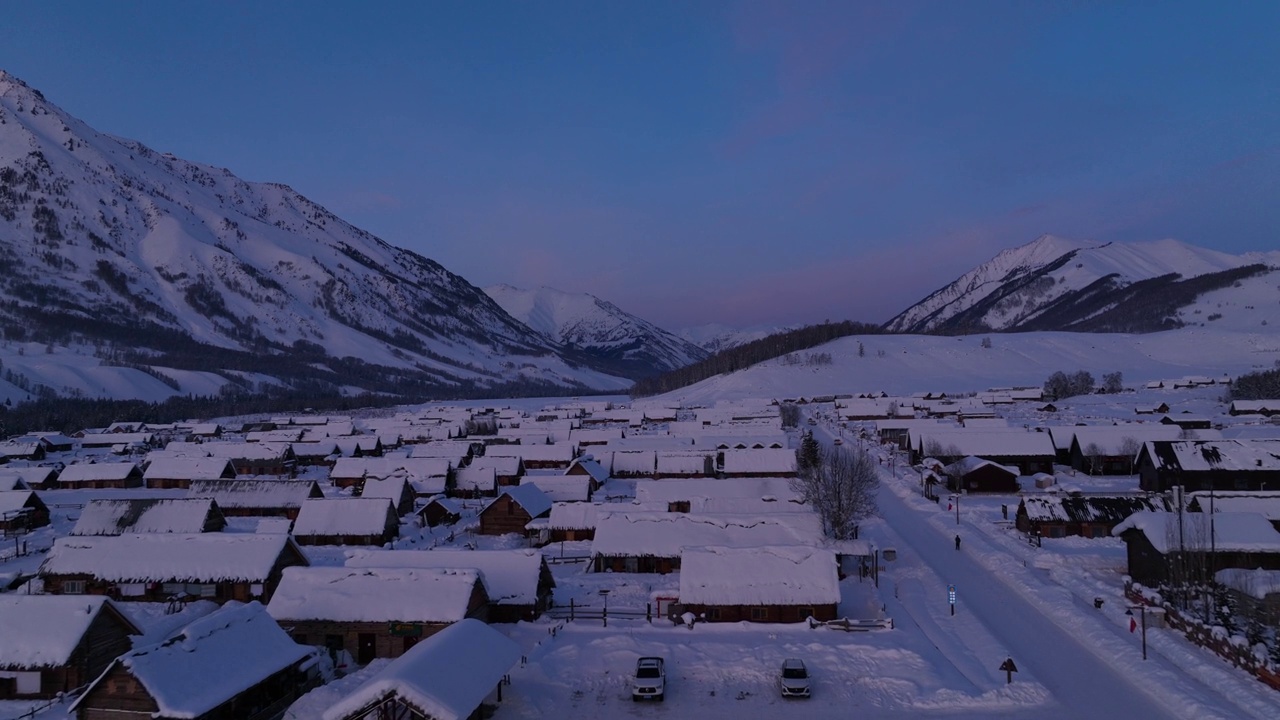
{"points": [[904, 364], [637, 348], [106, 241], [1057, 284]]}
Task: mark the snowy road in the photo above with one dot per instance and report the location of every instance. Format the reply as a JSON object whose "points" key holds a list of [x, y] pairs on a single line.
{"points": [[1074, 674]]}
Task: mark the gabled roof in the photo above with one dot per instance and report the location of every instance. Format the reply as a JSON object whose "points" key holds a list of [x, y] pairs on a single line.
{"points": [[769, 461], [778, 575], [510, 577], [1233, 532], [592, 468], [210, 661], [348, 594], [148, 515], [189, 468], [97, 472], [986, 443], [571, 488], [344, 516], [572, 516], [202, 557], [1124, 440], [530, 497], [1090, 508], [256, 493], [445, 677], [665, 534], [1205, 455], [966, 465], [43, 630]]}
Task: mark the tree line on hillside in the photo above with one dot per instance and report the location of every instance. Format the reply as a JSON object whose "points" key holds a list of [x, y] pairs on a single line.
{"points": [[748, 354], [1261, 385]]}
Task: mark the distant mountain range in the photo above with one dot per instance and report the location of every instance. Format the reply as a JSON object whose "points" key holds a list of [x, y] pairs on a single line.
{"points": [[716, 337], [1058, 284], [628, 345], [160, 263]]}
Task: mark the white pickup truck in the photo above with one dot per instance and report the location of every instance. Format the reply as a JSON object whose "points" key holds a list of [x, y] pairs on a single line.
{"points": [[651, 679]]}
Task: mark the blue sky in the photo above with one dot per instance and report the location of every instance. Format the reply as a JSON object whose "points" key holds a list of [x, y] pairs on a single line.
{"points": [[699, 162]]}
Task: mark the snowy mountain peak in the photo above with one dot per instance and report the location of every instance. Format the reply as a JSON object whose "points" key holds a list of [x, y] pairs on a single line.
{"points": [[598, 327], [105, 239], [1054, 283]]}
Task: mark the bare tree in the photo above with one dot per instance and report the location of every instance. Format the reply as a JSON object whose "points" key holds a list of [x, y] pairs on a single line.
{"points": [[841, 488], [1093, 451], [1130, 446]]}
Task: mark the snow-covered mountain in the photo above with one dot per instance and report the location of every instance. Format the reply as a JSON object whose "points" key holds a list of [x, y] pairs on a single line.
{"points": [[1058, 284], [629, 345], [715, 337], [163, 262]]}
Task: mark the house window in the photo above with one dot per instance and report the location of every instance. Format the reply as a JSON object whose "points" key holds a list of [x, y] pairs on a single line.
{"points": [[73, 587], [759, 613], [804, 612], [713, 614], [1056, 531], [173, 588], [335, 643]]}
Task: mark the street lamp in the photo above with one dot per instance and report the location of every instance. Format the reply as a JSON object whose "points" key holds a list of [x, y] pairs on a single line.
{"points": [[1143, 609], [956, 501], [604, 593]]}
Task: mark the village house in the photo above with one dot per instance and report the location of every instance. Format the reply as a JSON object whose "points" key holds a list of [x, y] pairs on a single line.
{"points": [[56, 644], [257, 498], [779, 584], [440, 511], [685, 464], [587, 465], [1240, 540], [570, 521], [1265, 503], [234, 664], [513, 509], [21, 511], [181, 472], [157, 567], [455, 674], [974, 474], [32, 450], [79, 476], [28, 478], [633, 463], [562, 488], [149, 515], [1266, 408], [541, 456], [116, 440], [518, 582], [1209, 464], [1113, 449], [1028, 452], [315, 453], [346, 521], [507, 471], [374, 612], [1091, 516]]}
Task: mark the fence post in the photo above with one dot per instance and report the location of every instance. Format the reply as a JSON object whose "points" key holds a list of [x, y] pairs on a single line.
{"points": [[604, 615], [648, 612], [570, 609]]}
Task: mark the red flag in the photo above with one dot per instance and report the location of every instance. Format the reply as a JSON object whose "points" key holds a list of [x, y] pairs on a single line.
{"points": [[948, 507], [1133, 624]]}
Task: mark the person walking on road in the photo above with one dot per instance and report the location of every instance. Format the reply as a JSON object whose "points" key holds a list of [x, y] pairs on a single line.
{"points": [[957, 542]]}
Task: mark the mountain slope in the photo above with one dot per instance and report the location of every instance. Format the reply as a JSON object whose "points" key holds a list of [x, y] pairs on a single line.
{"points": [[631, 346], [1057, 284], [104, 240], [716, 337]]}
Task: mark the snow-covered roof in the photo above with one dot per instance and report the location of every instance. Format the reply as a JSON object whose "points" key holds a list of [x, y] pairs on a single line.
{"points": [[15, 500], [43, 630], [1090, 508], [778, 575], [510, 576], [633, 462], [475, 478], [449, 450], [966, 465], [95, 472], [211, 660], [349, 594], [530, 497], [445, 677], [145, 515], [1232, 532], [1204, 455], [592, 467], [768, 461], [675, 489], [385, 467], [255, 493], [508, 466], [558, 453], [572, 516], [1256, 583], [28, 476], [189, 468], [984, 443], [567, 488], [665, 534], [393, 488], [683, 463], [202, 557], [1116, 440], [1266, 503], [343, 516]]}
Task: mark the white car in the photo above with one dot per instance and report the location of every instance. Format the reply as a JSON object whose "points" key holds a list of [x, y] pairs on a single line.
{"points": [[794, 678], [651, 679]]}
